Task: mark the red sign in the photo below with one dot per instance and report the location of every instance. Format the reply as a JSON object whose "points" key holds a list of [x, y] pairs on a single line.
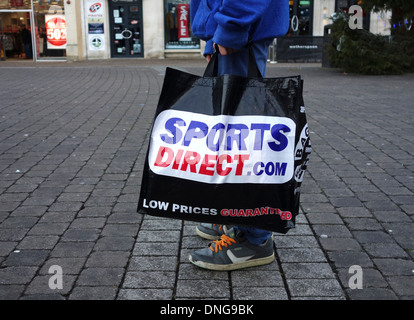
{"points": [[183, 20], [56, 31], [16, 3], [95, 7]]}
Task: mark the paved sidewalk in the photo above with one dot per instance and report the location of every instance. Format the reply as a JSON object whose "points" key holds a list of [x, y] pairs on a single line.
{"points": [[73, 139]]}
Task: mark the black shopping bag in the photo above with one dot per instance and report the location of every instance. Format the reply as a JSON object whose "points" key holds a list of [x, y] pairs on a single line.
{"points": [[227, 150]]}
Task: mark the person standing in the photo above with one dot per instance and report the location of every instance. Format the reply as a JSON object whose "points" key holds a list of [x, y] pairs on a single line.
{"points": [[27, 41], [230, 26]]}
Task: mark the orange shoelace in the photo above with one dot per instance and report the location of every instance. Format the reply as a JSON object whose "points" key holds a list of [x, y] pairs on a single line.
{"points": [[221, 226], [224, 241]]}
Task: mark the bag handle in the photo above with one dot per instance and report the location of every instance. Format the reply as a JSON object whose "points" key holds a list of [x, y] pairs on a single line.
{"points": [[252, 69]]}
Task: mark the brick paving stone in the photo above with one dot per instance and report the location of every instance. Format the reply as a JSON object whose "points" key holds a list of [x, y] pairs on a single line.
{"points": [[145, 294], [155, 249], [11, 292], [314, 288], [403, 286], [98, 276], [73, 234], [73, 140], [385, 250], [340, 244], [78, 249], [149, 279], [372, 294], [301, 255], [256, 278], [17, 274], [395, 267], [93, 293], [346, 259], [11, 234], [308, 270], [260, 293], [26, 258], [210, 289], [160, 263], [38, 242]]}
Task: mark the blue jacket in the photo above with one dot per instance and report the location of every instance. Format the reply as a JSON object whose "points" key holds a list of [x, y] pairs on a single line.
{"points": [[232, 23]]}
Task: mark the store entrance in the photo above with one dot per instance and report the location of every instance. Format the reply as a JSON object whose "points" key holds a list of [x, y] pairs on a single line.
{"points": [[126, 28], [15, 36]]}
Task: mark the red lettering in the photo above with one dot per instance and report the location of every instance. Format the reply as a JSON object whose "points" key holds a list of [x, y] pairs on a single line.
{"points": [[190, 159], [159, 160], [285, 215], [241, 213], [264, 210], [177, 159], [205, 164], [221, 159], [224, 212], [208, 164], [240, 163], [257, 212]]}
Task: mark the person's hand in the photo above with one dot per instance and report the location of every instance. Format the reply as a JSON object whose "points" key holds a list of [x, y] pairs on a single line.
{"points": [[223, 51]]}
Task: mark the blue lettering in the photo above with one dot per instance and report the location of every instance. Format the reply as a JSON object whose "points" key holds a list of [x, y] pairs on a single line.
{"points": [[270, 168], [234, 136], [258, 172], [171, 127], [197, 130], [210, 138], [281, 140], [258, 139], [280, 168], [237, 133]]}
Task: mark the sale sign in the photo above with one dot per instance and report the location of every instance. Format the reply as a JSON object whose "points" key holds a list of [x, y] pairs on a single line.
{"points": [[183, 10], [55, 31]]}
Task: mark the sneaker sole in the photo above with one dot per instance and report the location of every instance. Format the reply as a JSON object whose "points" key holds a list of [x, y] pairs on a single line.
{"points": [[233, 266], [206, 235]]}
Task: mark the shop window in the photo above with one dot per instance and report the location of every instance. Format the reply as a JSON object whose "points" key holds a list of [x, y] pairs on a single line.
{"points": [[15, 4], [50, 29], [178, 34], [15, 29], [126, 28], [15, 35], [300, 15]]}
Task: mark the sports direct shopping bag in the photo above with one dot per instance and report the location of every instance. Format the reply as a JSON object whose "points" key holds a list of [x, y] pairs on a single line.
{"points": [[227, 150]]}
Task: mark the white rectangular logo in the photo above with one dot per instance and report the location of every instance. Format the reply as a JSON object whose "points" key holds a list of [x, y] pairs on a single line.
{"points": [[223, 149]]}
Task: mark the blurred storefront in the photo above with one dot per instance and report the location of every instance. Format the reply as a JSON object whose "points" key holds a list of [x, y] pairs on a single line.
{"points": [[96, 29], [308, 18], [33, 29], [105, 29]]}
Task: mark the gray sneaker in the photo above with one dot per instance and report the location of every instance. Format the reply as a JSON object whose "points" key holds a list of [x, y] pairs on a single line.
{"points": [[211, 231], [233, 251]]}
